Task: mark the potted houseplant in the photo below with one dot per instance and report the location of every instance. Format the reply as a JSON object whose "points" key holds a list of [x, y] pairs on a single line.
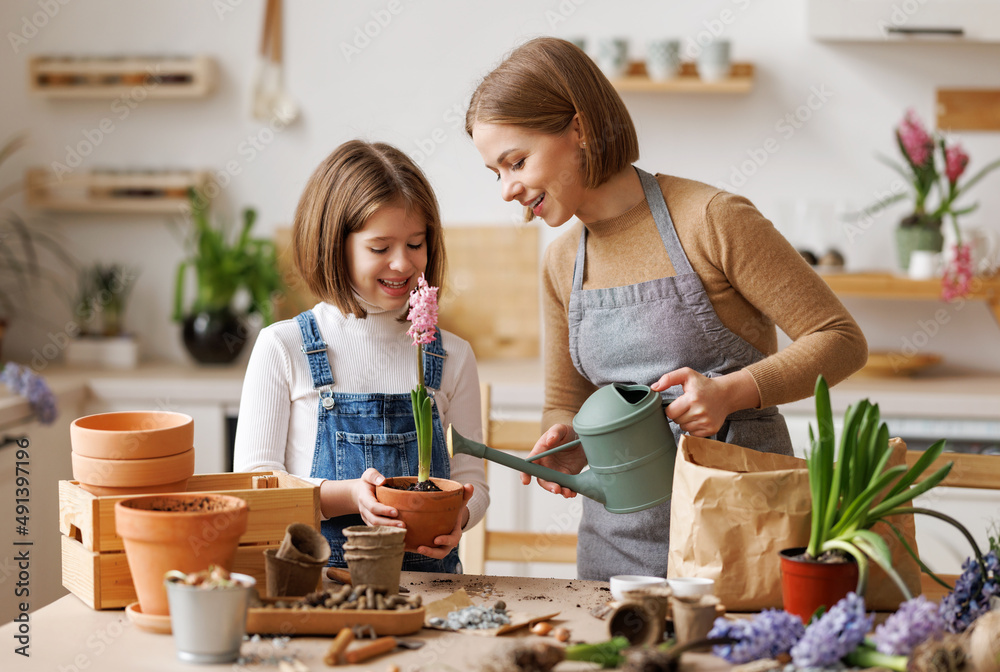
{"points": [[100, 311], [931, 164], [849, 497], [428, 506], [223, 265]]}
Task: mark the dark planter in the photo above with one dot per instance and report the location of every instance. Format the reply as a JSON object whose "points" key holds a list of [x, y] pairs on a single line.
{"points": [[807, 585], [214, 337]]}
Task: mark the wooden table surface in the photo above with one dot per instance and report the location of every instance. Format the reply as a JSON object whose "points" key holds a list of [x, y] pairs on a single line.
{"points": [[69, 636]]}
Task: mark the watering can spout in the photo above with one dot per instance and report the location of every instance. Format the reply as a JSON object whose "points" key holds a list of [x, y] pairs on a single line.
{"points": [[583, 483]]}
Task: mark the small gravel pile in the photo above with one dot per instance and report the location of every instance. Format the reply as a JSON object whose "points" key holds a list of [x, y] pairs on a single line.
{"points": [[474, 618]]}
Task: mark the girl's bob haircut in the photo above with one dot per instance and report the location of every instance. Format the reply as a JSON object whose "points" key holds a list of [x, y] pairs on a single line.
{"points": [[541, 86], [347, 188]]}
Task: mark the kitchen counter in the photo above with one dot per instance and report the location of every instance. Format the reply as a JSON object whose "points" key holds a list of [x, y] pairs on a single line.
{"points": [[67, 635]]}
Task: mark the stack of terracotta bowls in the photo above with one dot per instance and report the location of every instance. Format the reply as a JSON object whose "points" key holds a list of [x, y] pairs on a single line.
{"points": [[133, 452]]}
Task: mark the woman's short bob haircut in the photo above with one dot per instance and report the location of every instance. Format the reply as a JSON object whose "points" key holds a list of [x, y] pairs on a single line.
{"points": [[347, 188], [541, 86]]}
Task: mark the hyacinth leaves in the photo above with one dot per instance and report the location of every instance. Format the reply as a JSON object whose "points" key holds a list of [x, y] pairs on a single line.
{"points": [[853, 492], [423, 316], [424, 421]]}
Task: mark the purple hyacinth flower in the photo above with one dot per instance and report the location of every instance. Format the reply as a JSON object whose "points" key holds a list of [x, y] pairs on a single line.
{"points": [[915, 621], [767, 635], [838, 632]]}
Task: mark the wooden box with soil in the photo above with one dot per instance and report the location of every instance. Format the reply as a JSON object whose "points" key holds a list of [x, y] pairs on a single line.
{"points": [[94, 567]]}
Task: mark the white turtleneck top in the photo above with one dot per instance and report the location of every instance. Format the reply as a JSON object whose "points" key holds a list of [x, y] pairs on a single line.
{"points": [[279, 409]]}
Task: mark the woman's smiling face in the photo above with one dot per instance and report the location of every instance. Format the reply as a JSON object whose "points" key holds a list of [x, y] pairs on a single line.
{"points": [[387, 255], [541, 171]]}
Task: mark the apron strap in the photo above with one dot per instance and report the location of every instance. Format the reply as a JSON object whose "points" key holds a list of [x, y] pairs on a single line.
{"points": [[434, 356], [661, 215], [314, 348]]}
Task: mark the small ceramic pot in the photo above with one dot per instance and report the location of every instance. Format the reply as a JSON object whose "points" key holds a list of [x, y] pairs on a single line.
{"points": [[185, 532], [427, 515], [807, 585], [133, 473], [209, 624], [132, 435]]}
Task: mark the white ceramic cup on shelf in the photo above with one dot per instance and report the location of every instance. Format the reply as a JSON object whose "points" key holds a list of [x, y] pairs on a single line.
{"points": [[714, 61], [612, 56], [924, 265], [663, 59]]}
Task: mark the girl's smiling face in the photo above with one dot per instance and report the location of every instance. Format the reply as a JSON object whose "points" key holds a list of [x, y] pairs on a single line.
{"points": [[387, 255], [541, 171]]}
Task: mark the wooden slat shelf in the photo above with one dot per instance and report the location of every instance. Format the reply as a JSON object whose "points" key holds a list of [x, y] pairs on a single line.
{"points": [[122, 77], [740, 80], [107, 191], [889, 286]]}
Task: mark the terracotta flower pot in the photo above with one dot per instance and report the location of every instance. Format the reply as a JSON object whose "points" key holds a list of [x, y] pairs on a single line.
{"points": [[806, 585], [137, 474], [132, 435], [426, 514], [186, 532]]}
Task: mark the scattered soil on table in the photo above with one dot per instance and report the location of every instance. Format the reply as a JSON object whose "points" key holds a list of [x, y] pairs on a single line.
{"points": [[536, 597]]}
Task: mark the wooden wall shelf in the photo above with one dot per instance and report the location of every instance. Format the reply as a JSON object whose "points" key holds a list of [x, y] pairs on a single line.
{"points": [[127, 76], [740, 80], [112, 191], [889, 286]]}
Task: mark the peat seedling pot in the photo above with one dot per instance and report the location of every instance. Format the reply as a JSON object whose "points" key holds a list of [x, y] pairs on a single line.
{"points": [[374, 556], [807, 585]]}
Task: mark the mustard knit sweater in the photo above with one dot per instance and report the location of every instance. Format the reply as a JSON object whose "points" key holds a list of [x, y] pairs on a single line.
{"points": [[754, 278]]}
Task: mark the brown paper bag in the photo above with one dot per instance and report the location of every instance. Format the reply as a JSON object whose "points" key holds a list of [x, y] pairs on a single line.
{"points": [[734, 509]]}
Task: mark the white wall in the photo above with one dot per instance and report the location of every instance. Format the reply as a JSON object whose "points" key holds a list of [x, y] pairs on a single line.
{"points": [[416, 76]]}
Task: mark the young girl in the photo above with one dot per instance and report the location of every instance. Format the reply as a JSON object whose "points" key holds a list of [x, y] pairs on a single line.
{"points": [[327, 395], [665, 282]]}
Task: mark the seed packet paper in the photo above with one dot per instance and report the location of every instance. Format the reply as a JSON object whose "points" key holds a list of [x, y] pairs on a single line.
{"points": [[734, 509], [460, 599]]}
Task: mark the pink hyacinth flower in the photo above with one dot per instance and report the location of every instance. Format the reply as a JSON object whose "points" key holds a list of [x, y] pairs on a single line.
{"points": [[423, 313], [955, 160], [916, 140], [957, 280]]}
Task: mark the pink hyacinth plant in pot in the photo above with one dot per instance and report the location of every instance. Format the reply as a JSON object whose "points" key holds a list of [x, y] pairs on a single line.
{"points": [[429, 507]]}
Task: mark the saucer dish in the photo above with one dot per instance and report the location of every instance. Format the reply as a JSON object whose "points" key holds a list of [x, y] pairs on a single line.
{"points": [[157, 623]]}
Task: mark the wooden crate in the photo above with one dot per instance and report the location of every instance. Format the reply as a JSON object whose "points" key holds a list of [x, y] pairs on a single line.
{"points": [[94, 567]]}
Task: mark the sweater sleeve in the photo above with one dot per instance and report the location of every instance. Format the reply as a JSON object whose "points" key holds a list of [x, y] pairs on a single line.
{"points": [[565, 388], [265, 408], [769, 273], [465, 413]]}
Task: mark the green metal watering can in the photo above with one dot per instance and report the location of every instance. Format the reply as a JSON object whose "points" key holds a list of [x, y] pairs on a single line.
{"points": [[628, 443]]}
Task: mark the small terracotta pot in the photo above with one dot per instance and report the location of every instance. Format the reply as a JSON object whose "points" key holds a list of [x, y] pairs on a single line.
{"points": [[374, 556], [102, 491], [186, 532], [806, 585], [427, 515], [132, 435], [133, 473]]}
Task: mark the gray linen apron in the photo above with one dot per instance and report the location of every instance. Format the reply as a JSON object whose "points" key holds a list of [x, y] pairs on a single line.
{"points": [[635, 334]]}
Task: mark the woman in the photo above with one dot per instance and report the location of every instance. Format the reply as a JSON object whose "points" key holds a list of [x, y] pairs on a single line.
{"points": [[667, 282]]}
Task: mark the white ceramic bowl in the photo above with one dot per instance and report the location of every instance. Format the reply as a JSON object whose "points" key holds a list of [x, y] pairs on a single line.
{"points": [[625, 582], [690, 586]]}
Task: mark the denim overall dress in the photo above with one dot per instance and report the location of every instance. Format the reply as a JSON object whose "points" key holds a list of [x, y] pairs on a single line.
{"points": [[635, 334], [358, 431]]}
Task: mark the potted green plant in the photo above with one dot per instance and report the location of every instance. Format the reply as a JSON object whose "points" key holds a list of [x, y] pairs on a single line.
{"points": [[849, 496], [100, 312], [223, 265], [428, 506]]}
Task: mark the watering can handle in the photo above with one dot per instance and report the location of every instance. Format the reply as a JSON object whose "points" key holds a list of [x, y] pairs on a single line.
{"points": [[553, 451]]}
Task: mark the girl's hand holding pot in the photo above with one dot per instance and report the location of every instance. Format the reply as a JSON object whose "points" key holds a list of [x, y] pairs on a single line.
{"points": [[707, 402], [372, 511], [569, 461], [446, 542]]}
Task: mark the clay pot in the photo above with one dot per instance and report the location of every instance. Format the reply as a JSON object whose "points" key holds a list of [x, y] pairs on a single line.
{"points": [[132, 435], [186, 532], [102, 491], [290, 578], [374, 556], [134, 474], [427, 515], [806, 585]]}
